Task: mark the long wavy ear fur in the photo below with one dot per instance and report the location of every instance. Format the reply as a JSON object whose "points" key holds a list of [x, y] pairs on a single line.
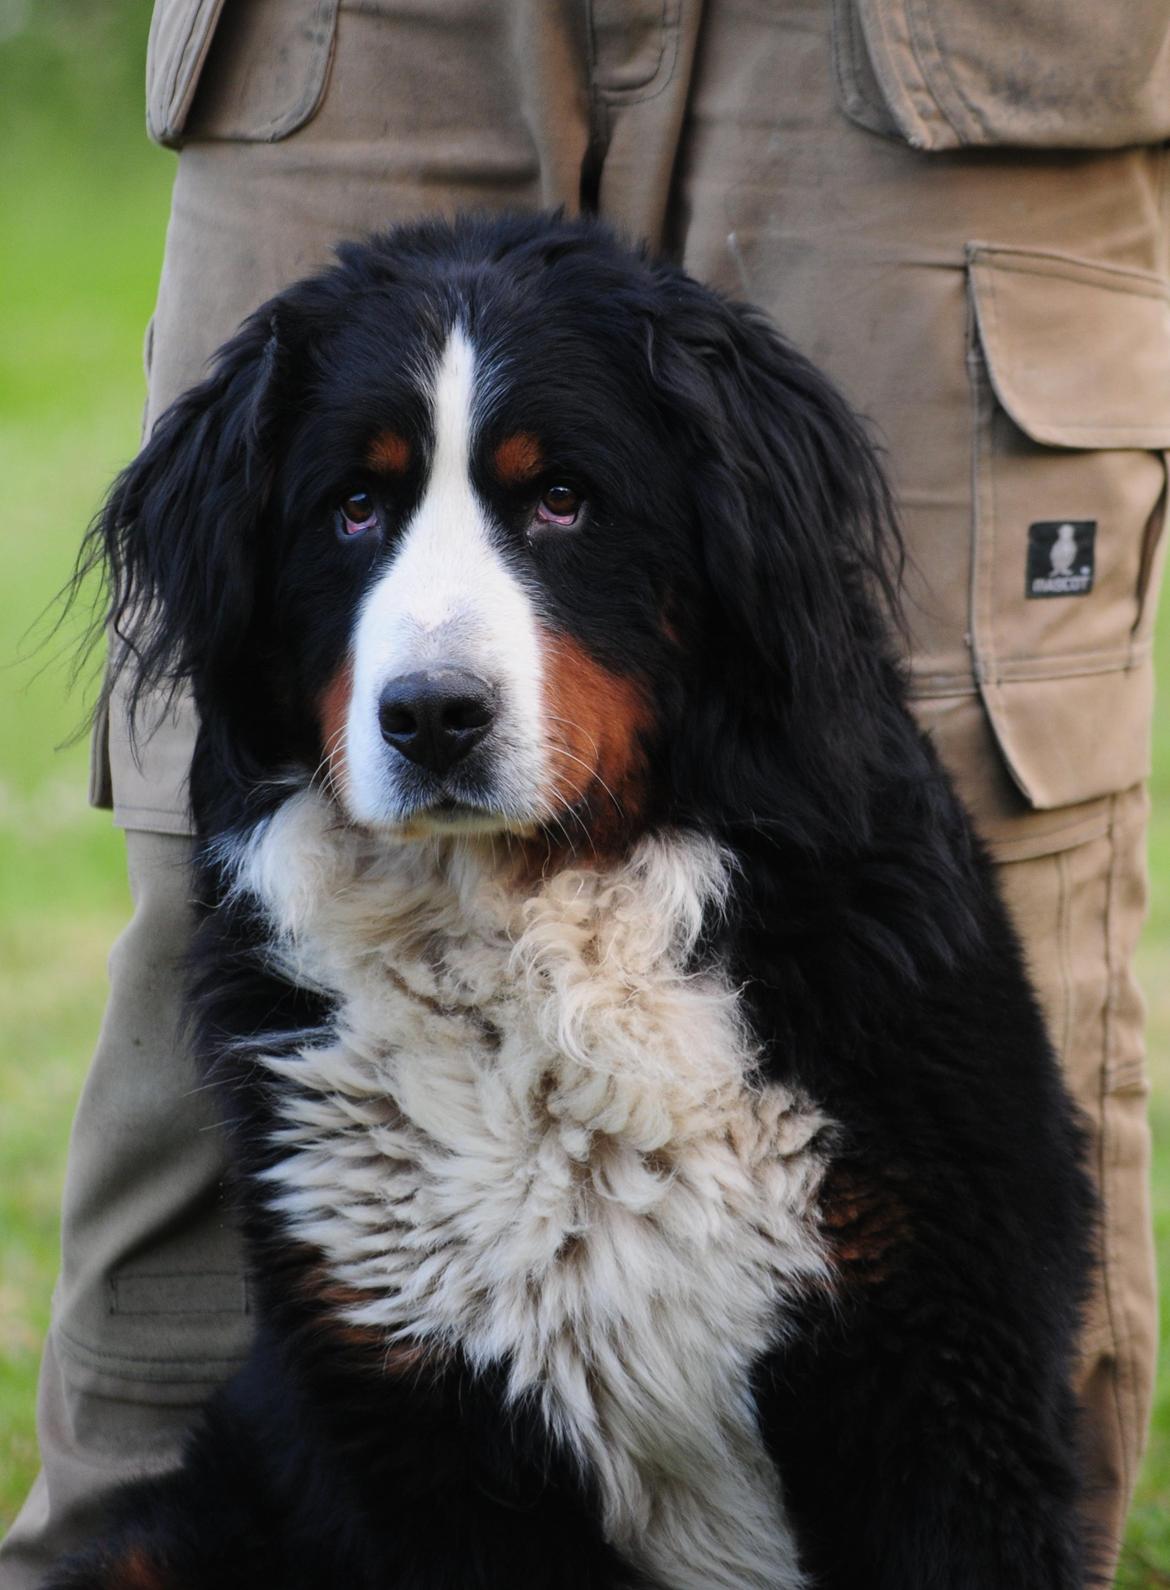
{"points": [[801, 744], [803, 557], [177, 539]]}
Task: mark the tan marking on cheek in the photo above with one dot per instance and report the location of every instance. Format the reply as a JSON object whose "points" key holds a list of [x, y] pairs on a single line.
{"points": [[596, 723], [332, 712], [518, 459], [389, 453]]}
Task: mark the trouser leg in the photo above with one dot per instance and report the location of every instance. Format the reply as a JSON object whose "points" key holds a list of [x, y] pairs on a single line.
{"points": [[859, 246], [151, 1304], [462, 106], [1079, 911]]}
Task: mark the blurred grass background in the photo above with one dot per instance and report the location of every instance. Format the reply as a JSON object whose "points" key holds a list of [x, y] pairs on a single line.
{"points": [[83, 204]]}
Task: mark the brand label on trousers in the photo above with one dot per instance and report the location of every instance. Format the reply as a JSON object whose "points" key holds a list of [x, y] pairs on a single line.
{"points": [[1060, 557]]}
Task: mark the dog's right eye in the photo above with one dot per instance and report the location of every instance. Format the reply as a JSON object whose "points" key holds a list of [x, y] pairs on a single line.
{"points": [[356, 516]]}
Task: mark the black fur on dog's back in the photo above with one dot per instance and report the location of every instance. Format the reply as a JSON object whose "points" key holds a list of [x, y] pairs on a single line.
{"points": [[718, 623]]}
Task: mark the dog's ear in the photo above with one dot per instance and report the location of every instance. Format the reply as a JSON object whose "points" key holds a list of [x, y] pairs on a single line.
{"points": [[178, 537], [798, 544]]}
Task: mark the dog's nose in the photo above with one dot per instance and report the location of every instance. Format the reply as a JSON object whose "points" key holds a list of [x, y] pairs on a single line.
{"points": [[435, 717]]}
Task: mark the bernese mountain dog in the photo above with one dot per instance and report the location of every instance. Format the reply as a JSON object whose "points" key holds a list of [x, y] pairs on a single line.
{"points": [[652, 1163]]}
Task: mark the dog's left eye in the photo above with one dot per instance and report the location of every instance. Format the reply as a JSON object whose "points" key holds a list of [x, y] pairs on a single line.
{"points": [[560, 505], [356, 516]]}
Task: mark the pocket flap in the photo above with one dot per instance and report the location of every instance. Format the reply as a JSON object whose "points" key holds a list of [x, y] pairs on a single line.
{"points": [[180, 37], [1078, 354], [1071, 739], [1031, 73]]}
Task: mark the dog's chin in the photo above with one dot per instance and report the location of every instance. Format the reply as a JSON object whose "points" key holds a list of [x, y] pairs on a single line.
{"points": [[449, 819], [445, 817]]}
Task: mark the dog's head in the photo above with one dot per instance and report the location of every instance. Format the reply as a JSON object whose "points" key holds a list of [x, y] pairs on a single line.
{"points": [[499, 526]]}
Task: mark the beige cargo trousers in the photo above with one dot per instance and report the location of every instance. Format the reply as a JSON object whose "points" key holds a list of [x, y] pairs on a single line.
{"points": [[961, 213]]}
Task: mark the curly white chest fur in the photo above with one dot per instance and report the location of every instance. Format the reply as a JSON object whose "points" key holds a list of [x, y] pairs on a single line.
{"points": [[536, 1137]]}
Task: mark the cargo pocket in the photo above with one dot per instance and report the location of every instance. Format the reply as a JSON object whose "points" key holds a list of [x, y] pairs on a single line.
{"points": [[1070, 380], [1033, 73], [633, 46], [254, 71]]}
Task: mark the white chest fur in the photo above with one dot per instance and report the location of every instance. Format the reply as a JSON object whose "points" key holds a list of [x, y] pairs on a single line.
{"points": [[536, 1137]]}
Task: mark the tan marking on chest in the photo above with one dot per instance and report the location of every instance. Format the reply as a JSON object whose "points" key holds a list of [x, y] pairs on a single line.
{"points": [[135, 1570]]}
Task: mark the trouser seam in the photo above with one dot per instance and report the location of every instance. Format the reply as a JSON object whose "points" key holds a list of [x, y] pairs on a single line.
{"points": [[589, 178], [1064, 915], [1117, 1323]]}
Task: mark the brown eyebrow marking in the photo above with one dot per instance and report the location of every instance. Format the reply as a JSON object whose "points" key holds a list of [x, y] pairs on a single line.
{"points": [[518, 459], [389, 453]]}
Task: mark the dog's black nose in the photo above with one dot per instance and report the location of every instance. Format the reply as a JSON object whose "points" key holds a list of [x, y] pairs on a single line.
{"points": [[435, 717]]}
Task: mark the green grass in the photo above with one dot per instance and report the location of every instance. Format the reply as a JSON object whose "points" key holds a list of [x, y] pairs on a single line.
{"points": [[84, 202], [84, 199]]}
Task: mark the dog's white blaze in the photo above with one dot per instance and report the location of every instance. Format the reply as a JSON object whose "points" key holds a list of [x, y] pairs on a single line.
{"points": [[447, 599], [536, 1137]]}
